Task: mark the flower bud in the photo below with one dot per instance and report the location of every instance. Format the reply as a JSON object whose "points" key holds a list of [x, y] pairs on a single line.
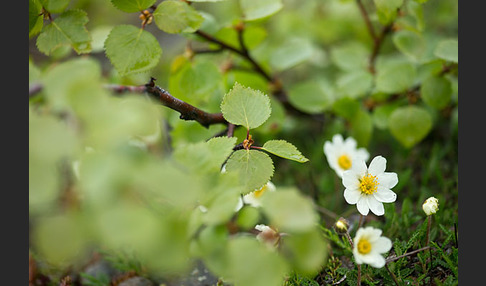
{"points": [[341, 226], [430, 206]]}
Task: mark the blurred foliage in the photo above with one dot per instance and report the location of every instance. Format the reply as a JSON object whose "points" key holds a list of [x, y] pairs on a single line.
{"points": [[118, 173]]}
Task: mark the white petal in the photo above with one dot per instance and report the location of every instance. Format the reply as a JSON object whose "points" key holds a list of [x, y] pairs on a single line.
{"points": [[382, 245], [350, 143], [328, 149], [377, 165], [351, 196], [388, 179], [337, 139], [377, 261], [362, 206], [385, 195], [375, 206], [362, 154], [350, 179], [359, 167]]}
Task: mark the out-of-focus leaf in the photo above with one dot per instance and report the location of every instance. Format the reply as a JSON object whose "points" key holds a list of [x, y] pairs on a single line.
{"points": [[387, 10], [436, 91], [131, 6], [291, 53], [311, 96], [362, 127], [410, 124], [177, 17], [355, 84], [258, 9], [448, 50], [409, 43], [350, 56], [395, 76]]}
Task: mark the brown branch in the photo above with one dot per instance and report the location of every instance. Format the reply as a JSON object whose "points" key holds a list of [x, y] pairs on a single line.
{"points": [[391, 259], [378, 41], [187, 111], [367, 20]]}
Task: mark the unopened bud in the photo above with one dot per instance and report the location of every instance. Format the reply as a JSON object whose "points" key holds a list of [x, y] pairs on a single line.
{"points": [[431, 206], [341, 226]]}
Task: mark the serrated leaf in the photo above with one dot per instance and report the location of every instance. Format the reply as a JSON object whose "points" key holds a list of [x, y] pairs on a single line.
{"points": [[257, 9], [205, 156], [410, 124], [285, 150], [436, 91], [245, 106], [131, 6], [131, 49], [448, 50], [255, 168], [177, 17], [35, 19], [68, 29], [288, 210]]}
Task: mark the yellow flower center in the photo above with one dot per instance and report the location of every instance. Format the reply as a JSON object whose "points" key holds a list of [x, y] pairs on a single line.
{"points": [[364, 246], [368, 184], [344, 162], [259, 193]]}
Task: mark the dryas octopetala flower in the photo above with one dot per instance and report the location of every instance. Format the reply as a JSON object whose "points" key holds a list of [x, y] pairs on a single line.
{"points": [[430, 206], [368, 245], [267, 235], [369, 187], [254, 198], [341, 153]]}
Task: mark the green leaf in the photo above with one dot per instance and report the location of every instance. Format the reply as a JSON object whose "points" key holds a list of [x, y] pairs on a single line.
{"points": [[387, 10], [289, 211], [245, 106], [291, 53], [131, 49], [177, 17], [68, 29], [312, 96], [346, 107], [395, 77], [131, 6], [199, 81], [350, 56], [448, 50], [436, 91], [249, 262], [355, 84], [257, 9], [362, 127], [410, 124], [381, 114], [35, 19], [55, 6], [285, 150], [255, 168], [410, 43]]}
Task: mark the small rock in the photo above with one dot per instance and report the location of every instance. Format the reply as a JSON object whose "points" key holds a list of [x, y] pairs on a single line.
{"points": [[137, 281]]}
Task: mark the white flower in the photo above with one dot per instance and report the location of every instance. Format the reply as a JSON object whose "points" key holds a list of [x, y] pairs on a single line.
{"points": [[368, 245], [369, 187], [267, 235], [341, 153], [430, 206], [254, 198]]}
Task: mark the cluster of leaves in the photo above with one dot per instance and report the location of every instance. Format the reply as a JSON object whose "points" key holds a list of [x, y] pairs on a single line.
{"points": [[123, 172]]}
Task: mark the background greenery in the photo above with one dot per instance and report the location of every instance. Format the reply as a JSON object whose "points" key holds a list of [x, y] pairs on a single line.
{"points": [[108, 171]]}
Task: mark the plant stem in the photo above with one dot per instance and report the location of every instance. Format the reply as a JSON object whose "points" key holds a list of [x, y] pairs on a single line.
{"points": [[392, 275], [407, 254], [367, 20]]}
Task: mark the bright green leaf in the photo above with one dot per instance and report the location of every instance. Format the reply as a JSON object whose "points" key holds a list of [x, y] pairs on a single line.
{"points": [[255, 168], [68, 29], [350, 56], [291, 53], [355, 84], [285, 150], [448, 50], [257, 9], [131, 49], [35, 19], [436, 91], [245, 106], [131, 6], [410, 124], [177, 17]]}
